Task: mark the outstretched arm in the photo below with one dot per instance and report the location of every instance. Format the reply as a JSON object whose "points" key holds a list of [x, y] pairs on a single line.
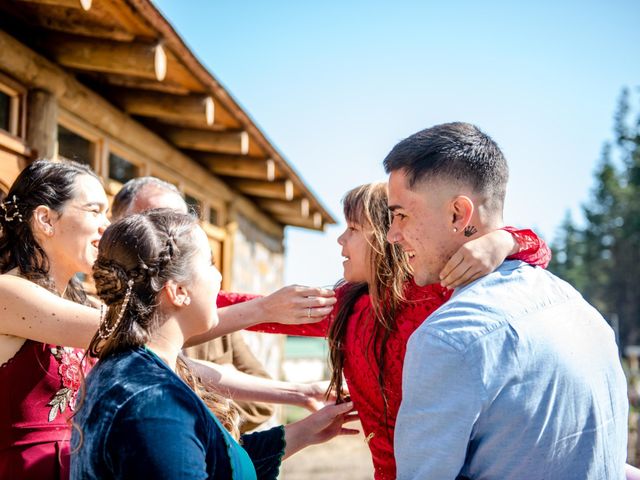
{"points": [[239, 386], [293, 304]]}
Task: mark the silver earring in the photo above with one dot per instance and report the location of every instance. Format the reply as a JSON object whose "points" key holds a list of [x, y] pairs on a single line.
{"points": [[455, 229]]}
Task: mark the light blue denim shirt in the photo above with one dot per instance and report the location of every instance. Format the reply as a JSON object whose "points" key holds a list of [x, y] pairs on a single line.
{"points": [[516, 377]]}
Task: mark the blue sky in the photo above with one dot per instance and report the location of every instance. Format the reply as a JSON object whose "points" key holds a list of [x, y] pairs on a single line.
{"points": [[335, 84]]}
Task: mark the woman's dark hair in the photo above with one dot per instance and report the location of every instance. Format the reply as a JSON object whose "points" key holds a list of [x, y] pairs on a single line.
{"points": [[366, 206], [137, 255], [47, 183]]}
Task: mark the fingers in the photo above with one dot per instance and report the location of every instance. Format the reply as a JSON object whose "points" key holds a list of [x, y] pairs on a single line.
{"points": [[351, 417], [313, 405], [451, 265], [315, 308], [457, 276], [469, 278], [316, 302], [339, 409], [348, 418], [304, 291]]}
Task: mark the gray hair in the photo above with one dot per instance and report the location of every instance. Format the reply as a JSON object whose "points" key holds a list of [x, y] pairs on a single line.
{"points": [[127, 195]]}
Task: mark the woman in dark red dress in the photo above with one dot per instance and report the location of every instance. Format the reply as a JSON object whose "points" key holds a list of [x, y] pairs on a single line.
{"points": [[379, 307], [51, 223], [52, 220]]}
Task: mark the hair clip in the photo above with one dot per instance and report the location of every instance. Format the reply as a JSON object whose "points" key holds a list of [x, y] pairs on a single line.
{"points": [[15, 215]]}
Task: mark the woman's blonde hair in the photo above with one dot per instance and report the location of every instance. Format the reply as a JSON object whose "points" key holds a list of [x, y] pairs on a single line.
{"points": [[366, 206]]}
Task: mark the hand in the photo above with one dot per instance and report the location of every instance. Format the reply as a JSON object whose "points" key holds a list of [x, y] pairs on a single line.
{"points": [[319, 427], [315, 395], [477, 258], [296, 304]]}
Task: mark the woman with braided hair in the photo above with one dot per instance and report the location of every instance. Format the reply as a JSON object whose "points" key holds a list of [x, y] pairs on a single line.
{"points": [[50, 225], [138, 419]]}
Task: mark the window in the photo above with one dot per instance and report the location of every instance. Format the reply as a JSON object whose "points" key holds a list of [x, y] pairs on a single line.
{"points": [[5, 111], [194, 205], [121, 169], [214, 219], [74, 147], [12, 98]]}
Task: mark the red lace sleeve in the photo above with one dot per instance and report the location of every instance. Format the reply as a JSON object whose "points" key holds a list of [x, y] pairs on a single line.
{"points": [[319, 329], [533, 249], [226, 299]]}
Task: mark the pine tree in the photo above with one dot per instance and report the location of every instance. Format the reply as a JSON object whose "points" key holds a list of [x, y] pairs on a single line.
{"points": [[602, 259]]}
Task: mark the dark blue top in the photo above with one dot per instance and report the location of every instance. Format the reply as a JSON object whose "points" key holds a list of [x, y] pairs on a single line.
{"points": [[140, 420]]}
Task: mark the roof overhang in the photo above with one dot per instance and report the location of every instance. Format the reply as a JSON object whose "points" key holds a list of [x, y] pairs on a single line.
{"points": [[126, 51]]}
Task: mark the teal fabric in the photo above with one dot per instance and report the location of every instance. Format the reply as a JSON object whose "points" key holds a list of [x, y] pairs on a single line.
{"points": [[140, 420], [241, 464]]}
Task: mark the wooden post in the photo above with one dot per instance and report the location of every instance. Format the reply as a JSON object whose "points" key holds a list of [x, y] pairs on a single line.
{"points": [[42, 123]]}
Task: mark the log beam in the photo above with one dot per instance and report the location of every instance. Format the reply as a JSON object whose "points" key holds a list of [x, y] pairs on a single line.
{"points": [[208, 140], [314, 221], [282, 190], [98, 55], [84, 4], [294, 208], [192, 108], [240, 166]]}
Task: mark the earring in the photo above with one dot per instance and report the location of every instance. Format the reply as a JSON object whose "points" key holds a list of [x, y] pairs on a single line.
{"points": [[187, 300], [455, 229]]}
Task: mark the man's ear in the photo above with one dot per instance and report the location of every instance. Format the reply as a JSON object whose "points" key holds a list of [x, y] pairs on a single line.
{"points": [[44, 219], [177, 294], [462, 209]]}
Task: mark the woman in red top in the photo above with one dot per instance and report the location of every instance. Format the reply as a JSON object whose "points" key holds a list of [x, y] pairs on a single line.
{"points": [[50, 226], [52, 221], [379, 307]]}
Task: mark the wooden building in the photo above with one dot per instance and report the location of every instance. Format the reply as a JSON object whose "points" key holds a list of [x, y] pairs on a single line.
{"points": [[110, 83]]}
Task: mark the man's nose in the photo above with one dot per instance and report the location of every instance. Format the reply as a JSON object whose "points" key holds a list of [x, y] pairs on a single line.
{"points": [[393, 235]]}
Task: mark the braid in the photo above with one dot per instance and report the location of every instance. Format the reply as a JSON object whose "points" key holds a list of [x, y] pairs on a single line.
{"points": [[112, 279], [137, 256]]}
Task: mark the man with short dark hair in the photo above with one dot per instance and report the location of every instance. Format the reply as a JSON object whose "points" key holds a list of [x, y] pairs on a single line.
{"points": [[516, 377]]}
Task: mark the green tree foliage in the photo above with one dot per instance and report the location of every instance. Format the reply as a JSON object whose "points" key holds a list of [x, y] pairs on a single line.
{"points": [[602, 258]]}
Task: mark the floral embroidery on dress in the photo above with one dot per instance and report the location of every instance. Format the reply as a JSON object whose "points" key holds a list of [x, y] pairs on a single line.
{"points": [[70, 371]]}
